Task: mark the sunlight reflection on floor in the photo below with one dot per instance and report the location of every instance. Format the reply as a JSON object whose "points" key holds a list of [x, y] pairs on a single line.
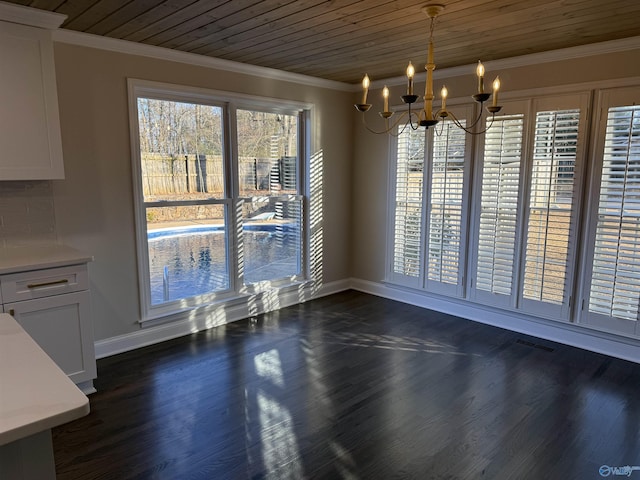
{"points": [[280, 450]]}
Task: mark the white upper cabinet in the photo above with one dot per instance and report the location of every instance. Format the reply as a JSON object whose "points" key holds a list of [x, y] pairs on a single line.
{"points": [[30, 142]]}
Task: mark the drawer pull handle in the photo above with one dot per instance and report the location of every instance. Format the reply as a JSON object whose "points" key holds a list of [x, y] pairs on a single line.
{"points": [[46, 284]]}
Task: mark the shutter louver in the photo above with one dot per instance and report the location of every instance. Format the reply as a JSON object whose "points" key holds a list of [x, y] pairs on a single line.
{"points": [[615, 279], [498, 205], [549, 233], [445, 202], [408, 203]]}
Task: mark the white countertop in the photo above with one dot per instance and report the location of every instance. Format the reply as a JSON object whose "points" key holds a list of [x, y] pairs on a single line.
{"points": [[22, 259], [35, 395]]}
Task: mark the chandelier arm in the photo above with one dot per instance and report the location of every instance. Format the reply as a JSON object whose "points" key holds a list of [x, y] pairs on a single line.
{"points": [[455, 120], [389, 129], [478, 118], [493, 117], [410, 122], [468, 129]]}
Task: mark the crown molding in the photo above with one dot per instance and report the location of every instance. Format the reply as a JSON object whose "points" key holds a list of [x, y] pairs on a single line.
{"points": [[161, 53], [32, 17], [602, 48]]}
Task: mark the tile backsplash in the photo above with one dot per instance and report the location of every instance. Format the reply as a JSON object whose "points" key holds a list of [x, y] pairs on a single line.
{"points": [[27, 214]]}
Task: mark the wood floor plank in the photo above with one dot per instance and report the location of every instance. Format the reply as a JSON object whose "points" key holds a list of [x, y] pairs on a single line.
{"points": [[355, 386]]}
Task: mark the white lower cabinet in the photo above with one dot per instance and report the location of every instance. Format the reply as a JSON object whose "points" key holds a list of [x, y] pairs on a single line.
{"points": [[54, 307]]}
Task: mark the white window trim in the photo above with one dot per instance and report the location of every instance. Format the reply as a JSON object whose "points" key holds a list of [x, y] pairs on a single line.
{"points": [[237, 292]]}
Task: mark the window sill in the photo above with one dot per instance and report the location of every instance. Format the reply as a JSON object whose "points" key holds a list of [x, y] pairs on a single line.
{"points": [[252, 300]]}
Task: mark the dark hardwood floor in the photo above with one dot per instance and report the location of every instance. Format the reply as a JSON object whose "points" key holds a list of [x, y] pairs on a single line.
{"points": [[354, 386]]}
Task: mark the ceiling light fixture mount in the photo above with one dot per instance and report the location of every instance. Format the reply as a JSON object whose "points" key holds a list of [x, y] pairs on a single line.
{"points": [[427, 117]]}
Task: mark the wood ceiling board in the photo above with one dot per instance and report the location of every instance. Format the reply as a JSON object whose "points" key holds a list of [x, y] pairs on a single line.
{"points": [[385, 38], [120, 17], [307, 32], [341, 39], [43, 4], [452, 50], [247, 25], [154, 12], [287, 31], [325, 41], [72, 9], [181, 23], [93, 15]]}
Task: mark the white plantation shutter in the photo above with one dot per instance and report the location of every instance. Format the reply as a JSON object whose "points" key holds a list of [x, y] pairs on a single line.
{"points": [[499, 206], [407, 233], [445, 227], [615, 276], [550, 226]]}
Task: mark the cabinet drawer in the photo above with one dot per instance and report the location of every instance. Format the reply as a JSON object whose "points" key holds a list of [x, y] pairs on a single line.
{"points": [[17, 287]]}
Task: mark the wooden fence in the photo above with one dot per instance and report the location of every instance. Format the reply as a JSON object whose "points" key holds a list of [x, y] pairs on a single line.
{"points": [[164, 175]]}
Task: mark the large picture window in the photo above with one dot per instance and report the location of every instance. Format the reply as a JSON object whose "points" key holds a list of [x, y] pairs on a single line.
{"points": [[219, 190]]}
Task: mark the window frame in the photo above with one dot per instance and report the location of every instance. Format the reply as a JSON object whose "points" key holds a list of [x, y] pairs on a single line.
{"points": [[606, 98], [231, 201], [513, 107], [582, 102], [464, 112]]}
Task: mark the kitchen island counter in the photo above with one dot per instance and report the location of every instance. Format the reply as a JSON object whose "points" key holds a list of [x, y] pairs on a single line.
{"points": [[35, 396]]}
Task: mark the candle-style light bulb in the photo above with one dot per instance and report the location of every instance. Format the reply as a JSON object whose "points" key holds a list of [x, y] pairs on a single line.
{"points": [[385, 96], [365, 87], [410, 73], [480, 74], [444, 93], [496, 87]]}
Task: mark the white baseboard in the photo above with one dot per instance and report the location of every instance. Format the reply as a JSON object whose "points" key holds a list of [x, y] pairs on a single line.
{"points": [[208, 317], [566, 333], [212, 316]]}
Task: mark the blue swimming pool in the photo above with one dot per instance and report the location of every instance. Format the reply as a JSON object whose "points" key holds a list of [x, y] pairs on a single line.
{"points": [[189, 261]]}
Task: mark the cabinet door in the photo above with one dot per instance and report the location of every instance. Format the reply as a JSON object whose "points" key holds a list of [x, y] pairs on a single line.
{"points": [[29, 123], [61, 326]]}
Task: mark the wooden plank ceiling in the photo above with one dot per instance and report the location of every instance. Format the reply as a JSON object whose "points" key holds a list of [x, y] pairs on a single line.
{"points": [[343, 39]]}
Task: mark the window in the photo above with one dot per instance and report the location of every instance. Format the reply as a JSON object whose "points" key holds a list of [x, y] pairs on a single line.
{"points": [[550, 228], [407, 236], [496, 247], [529, 206], [443, 231], [614, 283], [528, 172], [446, 222], [218, 193], [272, 208]]}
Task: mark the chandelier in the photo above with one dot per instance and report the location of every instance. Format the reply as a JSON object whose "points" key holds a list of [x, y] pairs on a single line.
{"points": [[427, 117]]}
